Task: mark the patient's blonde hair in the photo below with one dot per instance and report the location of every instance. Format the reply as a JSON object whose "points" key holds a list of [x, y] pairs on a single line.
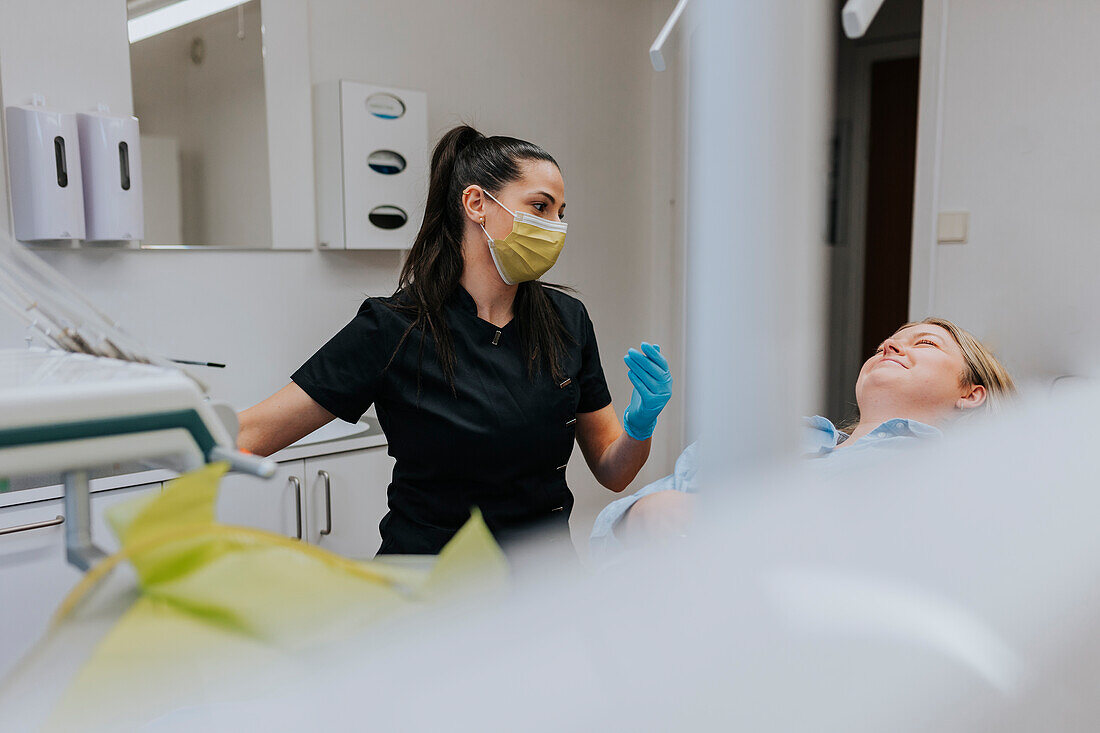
{"points": [[982, 367]]}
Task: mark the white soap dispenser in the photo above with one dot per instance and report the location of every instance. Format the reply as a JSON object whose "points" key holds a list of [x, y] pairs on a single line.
{"points": [[110, 157], [44, 173]]}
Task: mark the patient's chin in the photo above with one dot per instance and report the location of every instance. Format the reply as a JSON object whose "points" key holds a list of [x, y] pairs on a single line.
{"points": [[884, 377]]}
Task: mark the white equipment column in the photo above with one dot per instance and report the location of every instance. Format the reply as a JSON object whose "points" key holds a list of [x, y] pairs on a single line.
{"points": [[759, 94]]}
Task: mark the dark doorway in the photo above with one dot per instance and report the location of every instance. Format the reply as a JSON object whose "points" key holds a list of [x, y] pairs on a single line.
{"points": [[892, 154]]}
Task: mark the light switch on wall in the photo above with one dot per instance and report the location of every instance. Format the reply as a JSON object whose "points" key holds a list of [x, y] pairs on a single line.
{"points": [[952, 227]]}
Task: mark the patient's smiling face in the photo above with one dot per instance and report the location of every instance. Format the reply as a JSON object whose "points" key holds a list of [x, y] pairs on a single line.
{"points": [[917, 373]]}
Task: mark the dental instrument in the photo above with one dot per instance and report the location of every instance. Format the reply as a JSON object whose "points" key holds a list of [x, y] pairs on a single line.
{"points": [[71, 322], [87, 403]]}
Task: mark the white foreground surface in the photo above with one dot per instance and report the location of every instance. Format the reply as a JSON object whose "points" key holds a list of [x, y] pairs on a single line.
{"points": [[954, 587]]}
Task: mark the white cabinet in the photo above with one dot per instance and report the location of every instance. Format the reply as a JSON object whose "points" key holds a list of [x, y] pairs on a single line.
{"points": [[347, 488], [274, 504], [102, 534], [350, 488], [34, 575]]}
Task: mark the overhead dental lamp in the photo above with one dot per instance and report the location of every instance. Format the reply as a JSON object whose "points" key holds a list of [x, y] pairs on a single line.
{"points": [[857, 15]]}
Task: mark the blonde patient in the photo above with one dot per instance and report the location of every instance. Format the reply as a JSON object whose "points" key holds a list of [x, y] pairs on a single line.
{"points": [[930, 371], [922, 379]]}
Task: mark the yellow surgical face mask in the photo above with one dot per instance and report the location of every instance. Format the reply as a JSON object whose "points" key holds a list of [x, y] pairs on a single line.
{"points": [[531, 248]]}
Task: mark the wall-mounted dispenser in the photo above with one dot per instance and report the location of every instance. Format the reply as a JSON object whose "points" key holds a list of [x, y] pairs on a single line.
{"points": [[110, 154], [371, 153], [44, 173]]}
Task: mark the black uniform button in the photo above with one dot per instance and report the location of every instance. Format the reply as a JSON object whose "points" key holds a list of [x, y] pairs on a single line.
{"points": [[496, 338]]}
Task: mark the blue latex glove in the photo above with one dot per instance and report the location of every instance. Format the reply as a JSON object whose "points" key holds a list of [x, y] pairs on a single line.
{"points": [[648, 371]]}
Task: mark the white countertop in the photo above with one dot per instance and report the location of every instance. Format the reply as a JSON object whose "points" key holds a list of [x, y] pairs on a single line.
{"points": [[336, 437]]}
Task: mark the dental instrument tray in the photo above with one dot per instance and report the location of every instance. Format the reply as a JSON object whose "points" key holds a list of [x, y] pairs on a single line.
{"points": [[68, 413]]}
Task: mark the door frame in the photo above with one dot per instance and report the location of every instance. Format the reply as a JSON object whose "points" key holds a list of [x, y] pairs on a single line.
{"points": [[847, 297]]}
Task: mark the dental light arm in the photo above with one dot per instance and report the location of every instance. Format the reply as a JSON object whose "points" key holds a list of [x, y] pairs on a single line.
{"points": [[656, 55]]}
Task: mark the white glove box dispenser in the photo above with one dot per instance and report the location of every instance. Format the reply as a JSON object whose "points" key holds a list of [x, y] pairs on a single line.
{"points": [[44, 174], [371, 153], [110, 157]]}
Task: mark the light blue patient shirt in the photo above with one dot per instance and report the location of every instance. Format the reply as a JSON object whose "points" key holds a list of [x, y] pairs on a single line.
{"points": [[820, 439]]}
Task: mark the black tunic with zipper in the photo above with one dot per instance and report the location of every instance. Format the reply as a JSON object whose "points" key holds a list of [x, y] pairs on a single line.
{"points": [[498, 440]]}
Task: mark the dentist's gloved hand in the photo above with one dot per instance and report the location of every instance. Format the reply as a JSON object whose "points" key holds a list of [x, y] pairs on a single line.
{"points": [[648, 372]]}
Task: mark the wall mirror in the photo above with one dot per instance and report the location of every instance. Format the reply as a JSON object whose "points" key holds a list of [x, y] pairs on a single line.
{"points": [[221, 89]]}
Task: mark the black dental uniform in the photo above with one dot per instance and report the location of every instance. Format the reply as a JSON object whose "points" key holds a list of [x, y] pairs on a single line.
{"points": [[498, 441]]}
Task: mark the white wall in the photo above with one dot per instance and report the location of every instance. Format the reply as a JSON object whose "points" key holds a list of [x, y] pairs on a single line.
{"points": [[1010, 116], [571, 75]]}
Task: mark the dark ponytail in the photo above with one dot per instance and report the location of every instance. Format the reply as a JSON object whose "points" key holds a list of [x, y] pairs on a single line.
{"points": [[431, 273]]}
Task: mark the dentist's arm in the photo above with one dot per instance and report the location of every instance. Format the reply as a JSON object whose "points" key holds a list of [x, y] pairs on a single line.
{"points": [[616, 453], [286, 416]]}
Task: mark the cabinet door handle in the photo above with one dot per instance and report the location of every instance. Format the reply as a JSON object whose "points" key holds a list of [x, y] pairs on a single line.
{"points": [[328, 501], [297, 484], [33, 525]]}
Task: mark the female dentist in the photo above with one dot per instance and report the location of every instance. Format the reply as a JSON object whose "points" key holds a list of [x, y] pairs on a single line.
{"points": [[482, 376]]}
